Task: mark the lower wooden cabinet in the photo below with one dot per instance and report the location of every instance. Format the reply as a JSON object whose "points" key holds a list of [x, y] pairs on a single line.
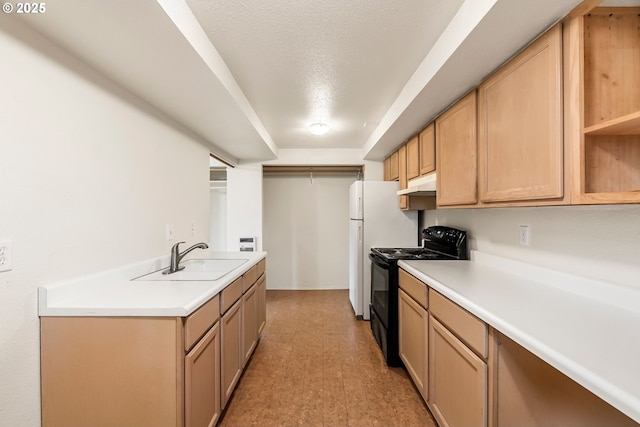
{"points": [[232, 360], [249, 323], [529, 392], [262, 303], [457, 380], [413, 339], [475, 376], [151, 371], [202, 381]]}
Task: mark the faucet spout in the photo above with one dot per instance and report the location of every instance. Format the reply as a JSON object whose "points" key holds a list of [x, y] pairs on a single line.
{"points": [[176, 256]]}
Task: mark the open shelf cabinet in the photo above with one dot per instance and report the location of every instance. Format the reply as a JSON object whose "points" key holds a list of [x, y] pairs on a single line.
{"points": [[606, 45]]}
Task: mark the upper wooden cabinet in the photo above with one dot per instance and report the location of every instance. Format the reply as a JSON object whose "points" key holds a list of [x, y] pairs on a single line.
{"points": [[428, 150], [558, 124], [394, 166], [402, 172], [413, 158], [456, 145], [520, 140], [603, 54], [387, 172]]}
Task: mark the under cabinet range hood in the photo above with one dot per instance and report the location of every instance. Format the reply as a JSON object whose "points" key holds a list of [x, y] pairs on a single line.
{"points": [[423, 186]]}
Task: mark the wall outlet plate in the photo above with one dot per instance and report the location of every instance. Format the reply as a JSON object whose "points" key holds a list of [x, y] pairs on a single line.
{"points": [[6, 255], [525, 235]]}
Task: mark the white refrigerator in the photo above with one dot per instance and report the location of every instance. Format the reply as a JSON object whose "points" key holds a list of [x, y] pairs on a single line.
{"points": [[375, 220]]}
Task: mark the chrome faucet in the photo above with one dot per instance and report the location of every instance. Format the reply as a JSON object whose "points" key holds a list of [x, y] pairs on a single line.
{"points": [[176, 256]]}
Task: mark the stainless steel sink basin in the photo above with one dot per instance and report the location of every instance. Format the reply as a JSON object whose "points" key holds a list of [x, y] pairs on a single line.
{"points": [[197, 269]]}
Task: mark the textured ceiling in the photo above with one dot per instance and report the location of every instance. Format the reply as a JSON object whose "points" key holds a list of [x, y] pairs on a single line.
{"points": [[343, 62]]}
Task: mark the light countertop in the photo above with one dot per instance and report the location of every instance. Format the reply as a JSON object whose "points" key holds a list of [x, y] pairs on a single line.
{"points": [[114, 293], [584, 328]]}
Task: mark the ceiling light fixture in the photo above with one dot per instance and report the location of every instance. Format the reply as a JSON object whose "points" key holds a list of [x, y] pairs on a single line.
{"points": [[318, 128]]}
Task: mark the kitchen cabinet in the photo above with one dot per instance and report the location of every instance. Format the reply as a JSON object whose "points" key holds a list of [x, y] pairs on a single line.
{"points": [[457, 380], [428, 150], [202, 381], [603, 54], [392, 166], [249, 322], [147, 370], [456, 145], [520, 126], [232, 360], [142, 371], [458, 369], [262, 303], [530, 392], [413, 157], [402, 174], [413, 330], [386, 171], [478, 376]]}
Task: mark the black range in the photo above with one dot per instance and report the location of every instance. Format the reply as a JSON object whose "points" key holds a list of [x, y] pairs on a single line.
{"points": [[439, 243]]}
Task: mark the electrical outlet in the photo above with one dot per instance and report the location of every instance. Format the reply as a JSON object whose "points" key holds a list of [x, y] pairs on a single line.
{"points": [[6, 255], [169, 232], [193, 229], [525, 235]]}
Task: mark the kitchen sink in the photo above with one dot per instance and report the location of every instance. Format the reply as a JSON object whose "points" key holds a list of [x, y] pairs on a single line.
{"points": [[197, 269]]}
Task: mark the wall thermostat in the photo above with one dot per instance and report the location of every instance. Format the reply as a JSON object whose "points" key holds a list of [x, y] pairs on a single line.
{"points": [[247, 244]]}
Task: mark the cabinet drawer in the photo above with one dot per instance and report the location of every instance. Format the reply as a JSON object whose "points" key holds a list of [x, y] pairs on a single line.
{"points": [[230, 295], [249, 278], [200, 321], [262, 266], [463, 324], [414, 288]]}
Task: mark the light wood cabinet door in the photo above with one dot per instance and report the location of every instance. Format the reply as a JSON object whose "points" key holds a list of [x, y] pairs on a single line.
{"points": [[394, 171], [402, 174], [457, 380], [456, 154], [249, 323], [520, 132], [262, 303], [231, 362], [413, 331], [202, 381], [428, 149], [413, 158], [387, 172]]}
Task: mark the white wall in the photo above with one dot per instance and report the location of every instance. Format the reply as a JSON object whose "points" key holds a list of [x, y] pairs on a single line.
{"points": [[244, 204], [218, 220], [90, 176], [595, 241], [306, 231]]}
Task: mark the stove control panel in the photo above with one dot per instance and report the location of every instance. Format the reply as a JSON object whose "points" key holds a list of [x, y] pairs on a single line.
{"points": [[451, 238]]}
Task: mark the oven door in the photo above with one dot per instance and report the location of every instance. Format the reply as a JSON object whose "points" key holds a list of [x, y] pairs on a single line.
{"points": [[380, 284]]}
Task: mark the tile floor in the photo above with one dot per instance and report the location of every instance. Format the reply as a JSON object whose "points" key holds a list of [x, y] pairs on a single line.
{"points": [[316, 365]]}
